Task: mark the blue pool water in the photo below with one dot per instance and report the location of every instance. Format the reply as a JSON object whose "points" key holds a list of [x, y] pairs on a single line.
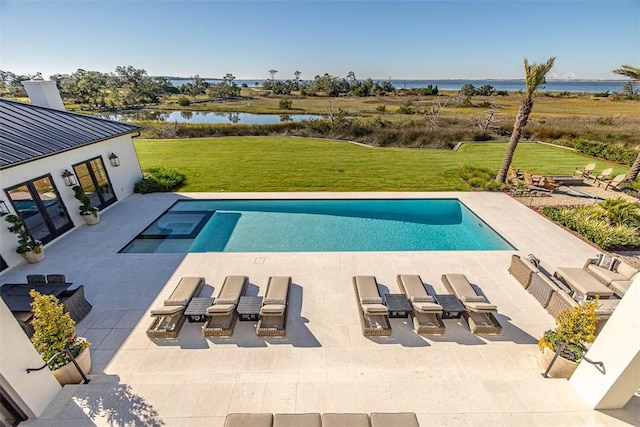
{"points": [[317, 226]]}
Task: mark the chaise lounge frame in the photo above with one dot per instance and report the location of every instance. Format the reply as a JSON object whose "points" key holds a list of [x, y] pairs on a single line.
{"points": [[221, 324], [480, 315], [374, 323], [168, 319], [273, 314], [426, 314]]}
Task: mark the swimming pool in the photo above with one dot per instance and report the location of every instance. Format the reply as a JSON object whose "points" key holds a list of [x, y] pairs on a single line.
{"points": [[317, 226]]}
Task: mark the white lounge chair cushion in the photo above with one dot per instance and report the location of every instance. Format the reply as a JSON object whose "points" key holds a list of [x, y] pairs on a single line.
{"points": [[422, 298], [375, 308], [427, 307], [371, 300], [480, 306], [181, 302], [269, 301], [233, 301], [168, 310], [221, 308], [473, 298], [273, 309]]}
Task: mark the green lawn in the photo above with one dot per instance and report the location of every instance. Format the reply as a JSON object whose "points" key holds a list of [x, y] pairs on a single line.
{"points": [[300, 164]]}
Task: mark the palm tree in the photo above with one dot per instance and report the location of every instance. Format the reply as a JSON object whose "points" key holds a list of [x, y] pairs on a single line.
{"points": [[534, 76], [634, 74]]}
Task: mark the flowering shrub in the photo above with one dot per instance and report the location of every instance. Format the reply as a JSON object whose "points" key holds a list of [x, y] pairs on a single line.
{"points": [[54, 331], [575, 327]]}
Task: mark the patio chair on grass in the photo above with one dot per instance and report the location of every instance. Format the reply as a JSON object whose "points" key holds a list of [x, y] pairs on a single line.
{"points": [[427, 314], [480, 313], [586, 171], [297, 420], [602, 177], [534, 186], [249, 420], [397, 419], [222, 316], [273, 313], [374, 316], [168, 319], [342, 420]]}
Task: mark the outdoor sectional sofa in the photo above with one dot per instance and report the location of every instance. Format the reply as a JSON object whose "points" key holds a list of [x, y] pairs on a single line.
{"points": [[169, 318], [618, 277]]}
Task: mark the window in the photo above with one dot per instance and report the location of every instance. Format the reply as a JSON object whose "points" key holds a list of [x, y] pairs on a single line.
{"points": [[38, 204], [93, 178]]}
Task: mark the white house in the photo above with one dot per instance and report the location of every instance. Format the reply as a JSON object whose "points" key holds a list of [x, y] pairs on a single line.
{"points": [[44, 152], [41, 144]]}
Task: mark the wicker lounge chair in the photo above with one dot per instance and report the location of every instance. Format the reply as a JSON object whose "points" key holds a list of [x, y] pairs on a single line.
{"points": [[480, 313], [168, 319], [273, 314], [342, 420], [522, 269], [586, 171], [297, 420], [398, 419], [374, 316], [222, 316], [249, 420], [426, 313]]}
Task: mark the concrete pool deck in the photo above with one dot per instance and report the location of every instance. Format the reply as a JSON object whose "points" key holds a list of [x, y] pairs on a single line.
{"points": [[324, 364]]}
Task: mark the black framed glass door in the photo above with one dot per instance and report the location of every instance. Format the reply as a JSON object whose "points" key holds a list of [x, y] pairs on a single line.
{"points": [[39, 205], [94, 180]]}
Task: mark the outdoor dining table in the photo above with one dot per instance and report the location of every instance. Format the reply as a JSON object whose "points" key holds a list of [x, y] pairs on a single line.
{"points": [[16, 295]]}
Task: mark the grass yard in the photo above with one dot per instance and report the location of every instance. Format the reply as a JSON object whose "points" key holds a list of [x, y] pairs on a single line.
{"points": [[299, 164]]}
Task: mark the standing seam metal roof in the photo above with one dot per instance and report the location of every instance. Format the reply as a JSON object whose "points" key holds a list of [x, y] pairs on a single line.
{"points": [[29, 132]]}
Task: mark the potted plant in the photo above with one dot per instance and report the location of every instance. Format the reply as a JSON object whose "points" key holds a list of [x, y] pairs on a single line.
{"points": [[30, 248], [575, 327], [54, 333], [87, 212]]}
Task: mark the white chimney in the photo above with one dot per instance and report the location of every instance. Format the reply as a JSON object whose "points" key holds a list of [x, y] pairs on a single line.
{"points": [[43, 93]]}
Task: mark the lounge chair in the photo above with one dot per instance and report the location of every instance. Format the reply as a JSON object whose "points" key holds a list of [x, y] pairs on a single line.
{"points": [[397, 419], [170, 317], [427, 314], [603, 176], [273, 313], [374, 316], [222, 316], [249, 420], [480, 313], [586, 171], [615, 182], [297, 420], [535, 186], [344, 420]]}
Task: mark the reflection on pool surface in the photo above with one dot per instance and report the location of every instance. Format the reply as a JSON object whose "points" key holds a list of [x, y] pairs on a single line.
{"points": [[317, 226]]}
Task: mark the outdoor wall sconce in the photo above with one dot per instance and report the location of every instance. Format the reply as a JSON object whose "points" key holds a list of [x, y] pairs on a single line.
{"points": [[69, 178], [4, 210], [115, 161]]}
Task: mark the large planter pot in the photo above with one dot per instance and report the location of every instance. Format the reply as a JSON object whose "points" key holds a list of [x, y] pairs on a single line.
{"points": [[562, 368], [68, 374], [91, 219], [32, 257]]}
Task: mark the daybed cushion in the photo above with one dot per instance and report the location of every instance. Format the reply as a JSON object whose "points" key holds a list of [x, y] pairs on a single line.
{"points": [[168, 310], [371, 300], [297, 420], [399, 419], [374, 308], [345, 420], [626, 270], [221, 308], [473, 298], [620, 287], [460, 285], [607, 276], [249, 420]]}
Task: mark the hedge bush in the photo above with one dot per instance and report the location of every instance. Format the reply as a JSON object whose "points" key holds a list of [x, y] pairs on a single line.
{"points": [[157, 180], [607, 151]]}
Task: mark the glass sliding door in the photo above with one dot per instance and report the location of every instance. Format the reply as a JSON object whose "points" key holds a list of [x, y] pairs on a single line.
{"points": [[93, 178], [38, 204]]}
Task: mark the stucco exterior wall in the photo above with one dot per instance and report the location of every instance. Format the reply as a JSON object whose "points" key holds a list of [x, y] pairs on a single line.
{"points": [[122, 179], [31, 392]]}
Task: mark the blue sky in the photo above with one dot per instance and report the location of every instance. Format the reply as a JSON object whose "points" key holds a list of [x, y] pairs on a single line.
{"points": [[377, 39]]}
